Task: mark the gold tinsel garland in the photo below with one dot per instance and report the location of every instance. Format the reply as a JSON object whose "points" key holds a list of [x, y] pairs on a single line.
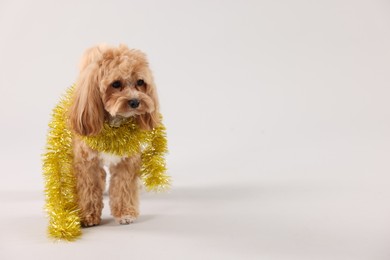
{"points": [[125, 140]]}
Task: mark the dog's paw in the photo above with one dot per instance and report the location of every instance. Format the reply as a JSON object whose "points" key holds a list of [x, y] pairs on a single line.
{"points": [[90, 221], [125, 220]]}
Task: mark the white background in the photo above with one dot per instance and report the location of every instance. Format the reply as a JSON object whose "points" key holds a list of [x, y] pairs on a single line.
{"points": [[277, 114]]}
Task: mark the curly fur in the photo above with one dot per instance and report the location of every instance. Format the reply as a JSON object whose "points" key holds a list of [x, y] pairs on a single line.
{"points": [[95, 101]]}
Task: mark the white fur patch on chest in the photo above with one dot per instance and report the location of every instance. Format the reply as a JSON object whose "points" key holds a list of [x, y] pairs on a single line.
{"points": [[108, 159]]}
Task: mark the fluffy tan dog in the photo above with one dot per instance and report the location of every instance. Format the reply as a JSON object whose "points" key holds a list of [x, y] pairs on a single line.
{"points": [[114, 84]]}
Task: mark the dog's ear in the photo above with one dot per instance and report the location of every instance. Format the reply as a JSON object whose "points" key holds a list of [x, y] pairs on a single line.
{"points": [[150, 120], [86, 114]]}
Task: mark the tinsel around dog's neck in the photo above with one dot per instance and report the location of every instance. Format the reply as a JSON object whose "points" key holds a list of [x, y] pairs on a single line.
{"points": [[126, 139], [121, 139]]}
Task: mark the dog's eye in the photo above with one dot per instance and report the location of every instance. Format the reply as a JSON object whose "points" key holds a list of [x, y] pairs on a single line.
{"points": [[140, 82], [116, 84]]}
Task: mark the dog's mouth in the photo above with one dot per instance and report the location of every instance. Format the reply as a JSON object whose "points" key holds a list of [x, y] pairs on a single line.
{"points": [[124, 107], [117, 117], [127, 111], [117, 121]]}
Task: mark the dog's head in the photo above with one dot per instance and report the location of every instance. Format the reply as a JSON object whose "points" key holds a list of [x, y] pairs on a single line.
{"points": [[113, 83]]}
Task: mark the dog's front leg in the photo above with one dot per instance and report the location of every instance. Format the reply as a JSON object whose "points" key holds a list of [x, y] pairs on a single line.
{"points": [[90, 184], [124, 193]]}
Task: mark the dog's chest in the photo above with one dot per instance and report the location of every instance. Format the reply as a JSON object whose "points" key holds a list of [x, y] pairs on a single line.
{"points": [[109, 159]]}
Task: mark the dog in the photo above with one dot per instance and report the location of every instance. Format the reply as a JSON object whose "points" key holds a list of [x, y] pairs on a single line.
{"points": [[114, 84]]}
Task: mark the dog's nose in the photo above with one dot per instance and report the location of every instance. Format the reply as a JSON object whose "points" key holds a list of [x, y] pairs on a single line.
{"points": [[134, 103]]}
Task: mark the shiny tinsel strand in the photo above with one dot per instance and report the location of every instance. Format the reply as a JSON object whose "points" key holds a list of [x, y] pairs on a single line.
{"points": [[61, 201], [125, 140], [153, 162]]}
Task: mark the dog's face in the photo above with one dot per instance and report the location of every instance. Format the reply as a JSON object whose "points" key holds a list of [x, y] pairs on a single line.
{"points": [[113, 83]]}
